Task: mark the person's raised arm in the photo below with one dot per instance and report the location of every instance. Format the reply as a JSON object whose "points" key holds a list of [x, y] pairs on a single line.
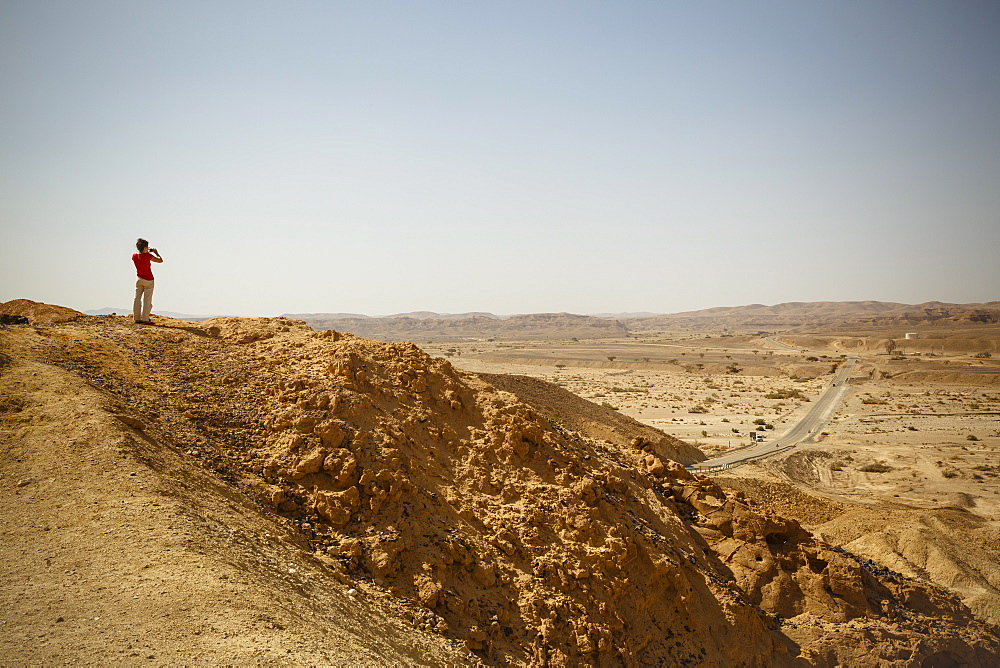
{"points": [[156, 255]]}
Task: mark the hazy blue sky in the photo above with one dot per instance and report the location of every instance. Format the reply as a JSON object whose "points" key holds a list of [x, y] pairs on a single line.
{"points": [[379, 157]]}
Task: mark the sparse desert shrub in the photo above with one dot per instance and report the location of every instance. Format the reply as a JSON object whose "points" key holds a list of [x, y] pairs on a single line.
{"points": [[697, 409], [911, 427], [949, 473], [812, 359], [985, 355], [874, 400], [876, 467], [607, 405], [971, 437], [838, 465], [794, 393], [760, 421], [704, 432]]}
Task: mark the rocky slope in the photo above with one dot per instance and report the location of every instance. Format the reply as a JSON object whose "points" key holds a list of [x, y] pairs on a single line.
{"points": [[477, 517], [39, 313]]}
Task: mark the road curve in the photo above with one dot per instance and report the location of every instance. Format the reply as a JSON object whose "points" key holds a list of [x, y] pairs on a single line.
{"points": [[782, 345], [808, 426]]}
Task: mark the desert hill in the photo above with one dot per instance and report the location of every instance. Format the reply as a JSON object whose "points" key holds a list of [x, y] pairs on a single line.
{"points": [[253, 490], [425, 326], [415, 315], [39, 313], [793, 317], [431, 315], [809, 316]]}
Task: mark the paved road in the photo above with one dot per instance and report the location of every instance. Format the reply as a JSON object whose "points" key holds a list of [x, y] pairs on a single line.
{"points": [[809, 425], [781, 345]]}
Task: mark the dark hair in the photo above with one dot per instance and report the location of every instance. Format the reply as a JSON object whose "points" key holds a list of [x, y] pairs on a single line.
{"points": [[141, 243]]}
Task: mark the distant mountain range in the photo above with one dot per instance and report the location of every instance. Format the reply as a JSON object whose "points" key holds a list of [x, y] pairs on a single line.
{"points": [[789, 316], [810, 315], [465, 326], [415, 315], [622, 316]]}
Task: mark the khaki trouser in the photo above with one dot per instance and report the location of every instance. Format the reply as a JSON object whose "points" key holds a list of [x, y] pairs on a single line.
{"points": [[143, 303]]}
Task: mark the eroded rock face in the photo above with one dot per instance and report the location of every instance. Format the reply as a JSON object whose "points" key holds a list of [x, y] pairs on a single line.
{"points": [[520, 535], [473, 505]]}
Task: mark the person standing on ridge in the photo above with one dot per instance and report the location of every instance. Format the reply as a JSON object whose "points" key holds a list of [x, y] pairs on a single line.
{"points": [[143, 303]]}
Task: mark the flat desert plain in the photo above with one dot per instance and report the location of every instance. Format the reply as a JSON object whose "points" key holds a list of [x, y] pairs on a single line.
{"points": [[906, 472]]}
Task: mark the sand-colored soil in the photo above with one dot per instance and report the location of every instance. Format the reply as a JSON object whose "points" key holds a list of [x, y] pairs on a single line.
{"points": [[118, 548]]}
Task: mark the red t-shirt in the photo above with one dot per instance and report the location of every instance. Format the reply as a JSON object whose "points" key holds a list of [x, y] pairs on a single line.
{"points": [[142, 268]]}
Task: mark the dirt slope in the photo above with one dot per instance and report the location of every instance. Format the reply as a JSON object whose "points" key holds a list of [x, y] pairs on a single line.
{"points": [[38, 313], [982, 338], [117, 547], [299, 463]]}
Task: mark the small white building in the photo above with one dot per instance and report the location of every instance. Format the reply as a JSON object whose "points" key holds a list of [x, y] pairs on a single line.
{"points": [[912, 335]]}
